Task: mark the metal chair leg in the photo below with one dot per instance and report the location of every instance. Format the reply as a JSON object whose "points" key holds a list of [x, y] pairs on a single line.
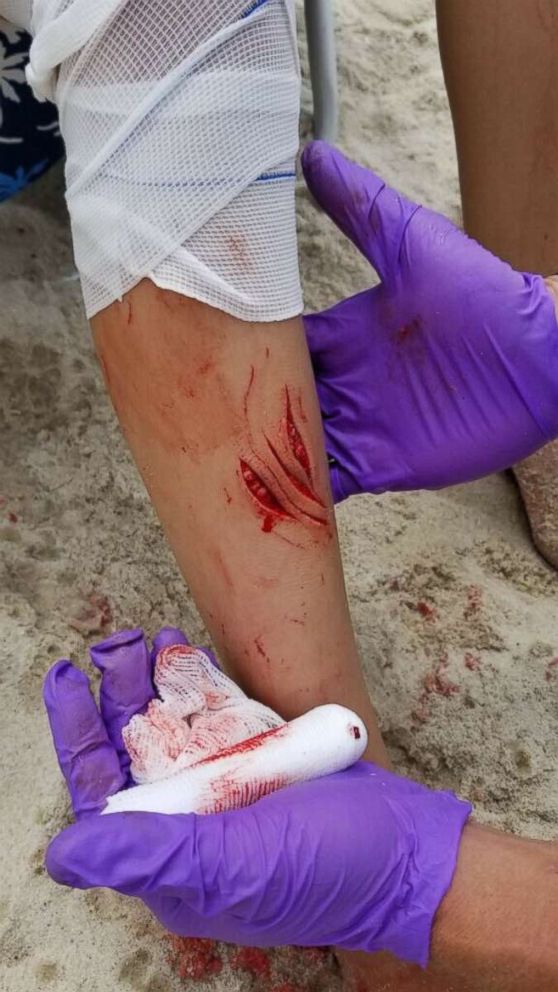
{"points": [[323, 66]]}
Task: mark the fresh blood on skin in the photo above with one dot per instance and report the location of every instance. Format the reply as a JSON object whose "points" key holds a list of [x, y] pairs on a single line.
{"points": [[260, 648], [304, 513], [206, 367], [303, 416], [301, 486], [270, 506], [248, 388], [273, 510], [296, 443]]}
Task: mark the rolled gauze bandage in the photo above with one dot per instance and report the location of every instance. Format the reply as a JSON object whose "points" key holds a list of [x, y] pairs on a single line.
{"points": [[325, 740], [180, 120], [204, 747]]}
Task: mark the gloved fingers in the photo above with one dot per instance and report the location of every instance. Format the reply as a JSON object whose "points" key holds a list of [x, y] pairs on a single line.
{"points": [[139, 854], [194, 866], [342, 484], [322, 337], [334, 336], [165, 638], [126, 684], [87, 759], [373, 215]]}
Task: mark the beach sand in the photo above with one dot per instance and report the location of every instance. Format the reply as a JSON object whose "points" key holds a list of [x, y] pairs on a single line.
{"points": [[453, 608]]}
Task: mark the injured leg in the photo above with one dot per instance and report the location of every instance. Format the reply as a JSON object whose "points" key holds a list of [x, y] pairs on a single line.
{"points": [[223, 423], [506, 144], [180, 121]]}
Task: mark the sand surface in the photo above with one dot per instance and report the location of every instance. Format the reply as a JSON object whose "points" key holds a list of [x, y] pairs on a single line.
{"points": [[454, 609]]}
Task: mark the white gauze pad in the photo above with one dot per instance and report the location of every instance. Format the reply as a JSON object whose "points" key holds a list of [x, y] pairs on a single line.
{"points": [[180, 120], [204, 747]]}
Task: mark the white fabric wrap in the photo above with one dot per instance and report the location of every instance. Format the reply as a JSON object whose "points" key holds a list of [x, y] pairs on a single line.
{"points": [[180, 119]]}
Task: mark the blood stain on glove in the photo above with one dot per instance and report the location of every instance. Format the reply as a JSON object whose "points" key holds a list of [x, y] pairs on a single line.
{"points": [[408, 330]]}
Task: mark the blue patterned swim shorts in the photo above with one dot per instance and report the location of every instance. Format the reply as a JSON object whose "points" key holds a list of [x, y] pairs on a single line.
{"points": [[30, 139]]}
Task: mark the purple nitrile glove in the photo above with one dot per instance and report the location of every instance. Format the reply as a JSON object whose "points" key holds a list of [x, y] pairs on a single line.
{"points": [[444, 372], [361, 859], [125, 663]]}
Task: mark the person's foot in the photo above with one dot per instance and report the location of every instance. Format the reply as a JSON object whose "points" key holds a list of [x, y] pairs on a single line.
{"points": [[537, 478]]}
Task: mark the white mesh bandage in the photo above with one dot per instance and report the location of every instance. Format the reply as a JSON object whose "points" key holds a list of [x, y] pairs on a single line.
{"points": [[180, 119], [200, 712]]}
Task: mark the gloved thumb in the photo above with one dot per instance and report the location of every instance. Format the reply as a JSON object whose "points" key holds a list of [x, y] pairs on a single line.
{"points": [[370, 213], [133, 853]]}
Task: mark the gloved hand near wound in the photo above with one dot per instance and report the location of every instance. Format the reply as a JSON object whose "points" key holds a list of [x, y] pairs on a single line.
{"points": [[360, 859], [444, 372]]}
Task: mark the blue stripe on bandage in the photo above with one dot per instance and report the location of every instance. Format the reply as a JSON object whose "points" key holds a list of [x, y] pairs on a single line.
{"points": [[268, 177], [216, 183], [254, 6]]}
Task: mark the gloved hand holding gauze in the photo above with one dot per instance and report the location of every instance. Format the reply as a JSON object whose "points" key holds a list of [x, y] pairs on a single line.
{"points": [[180, 119]]}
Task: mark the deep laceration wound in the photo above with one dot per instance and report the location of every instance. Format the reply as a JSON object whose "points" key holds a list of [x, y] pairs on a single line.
{"points": [[180, 120]]}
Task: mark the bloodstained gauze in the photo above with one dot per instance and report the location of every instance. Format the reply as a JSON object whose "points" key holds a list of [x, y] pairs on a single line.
{"points": [[228, 794], [272, 509], [296, 443], [250, 744]]}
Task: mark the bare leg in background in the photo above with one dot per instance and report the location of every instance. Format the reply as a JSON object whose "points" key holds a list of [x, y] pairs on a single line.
{"points": [[499, 61], [223, 423]]}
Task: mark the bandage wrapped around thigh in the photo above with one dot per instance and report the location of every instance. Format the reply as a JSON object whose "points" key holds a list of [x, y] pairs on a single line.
{"points": [[180, 119]]}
